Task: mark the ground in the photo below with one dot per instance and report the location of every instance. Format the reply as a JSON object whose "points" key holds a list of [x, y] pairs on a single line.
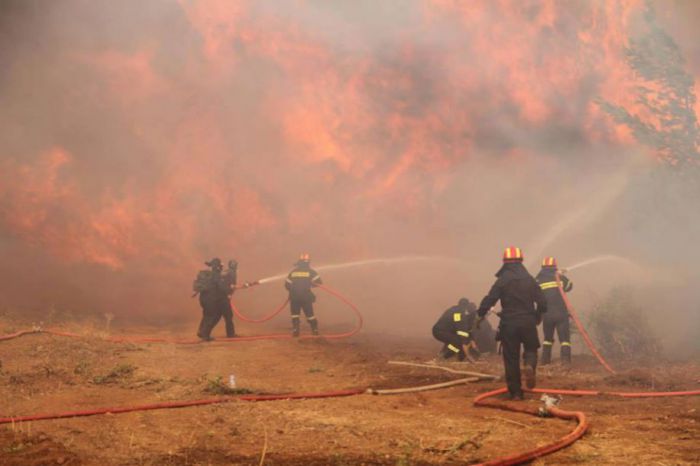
{"points": [[45, 374]]}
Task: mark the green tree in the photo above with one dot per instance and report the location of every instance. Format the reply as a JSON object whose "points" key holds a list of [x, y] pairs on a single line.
{"points": [[667, 93]]}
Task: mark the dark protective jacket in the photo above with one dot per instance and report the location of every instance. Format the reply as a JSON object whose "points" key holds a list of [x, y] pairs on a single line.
{"points": [[229, 280], [300, 281], [547, 279], [213, 288], [522, 300], [455, 320]]}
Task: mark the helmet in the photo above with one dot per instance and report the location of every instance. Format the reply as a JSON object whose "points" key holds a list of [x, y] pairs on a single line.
{"points": [[466, 304], [512, 254], [549, 262], [215, 263], [304, 257]]}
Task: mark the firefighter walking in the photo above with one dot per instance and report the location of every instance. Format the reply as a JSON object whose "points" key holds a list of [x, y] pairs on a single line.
{"points": [[214, 288], [454, 328], [299, 283], [557, 316], [523, 304]]}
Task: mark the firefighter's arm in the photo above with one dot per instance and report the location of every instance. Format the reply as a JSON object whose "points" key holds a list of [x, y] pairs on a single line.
{"points": [[540, 299], [566, 284], [490, 299], [288, 282], [315, 278]]}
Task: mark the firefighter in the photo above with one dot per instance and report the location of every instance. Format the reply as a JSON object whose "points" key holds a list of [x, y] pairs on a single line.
{"points": [[299, 283], [557, 316], [523, 304], [228, 286], [454, 328], [209, 285]]}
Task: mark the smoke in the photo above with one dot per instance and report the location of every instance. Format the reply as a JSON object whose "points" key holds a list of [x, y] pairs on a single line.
{"points": [[139, 139]]}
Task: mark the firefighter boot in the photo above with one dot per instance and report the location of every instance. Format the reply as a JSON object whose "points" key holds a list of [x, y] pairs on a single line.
{"points": [[547, 353], [314, 326], [530, 361], [295, 327], [566, 353]]}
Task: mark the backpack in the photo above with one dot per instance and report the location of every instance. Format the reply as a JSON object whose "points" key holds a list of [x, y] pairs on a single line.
{"points": [[203, 282]]}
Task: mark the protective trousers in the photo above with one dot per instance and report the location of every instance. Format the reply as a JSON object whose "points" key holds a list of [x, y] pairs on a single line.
{"points": [[561, 324], [211, 313], [307, 305], [513, 336], [453, 343], [227, 314]]}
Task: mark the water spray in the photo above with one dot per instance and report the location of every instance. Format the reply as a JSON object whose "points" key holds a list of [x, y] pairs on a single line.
{"points": [[596, 259], [347, 265]]}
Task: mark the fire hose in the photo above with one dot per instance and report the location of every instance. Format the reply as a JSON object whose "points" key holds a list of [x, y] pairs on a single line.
{"points": [[483, 400], [279, 336], [581, 329], [519, 458], [479, 401]]}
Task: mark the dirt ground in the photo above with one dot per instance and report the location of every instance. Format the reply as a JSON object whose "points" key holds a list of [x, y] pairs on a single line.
{"points": [[46, 374]]}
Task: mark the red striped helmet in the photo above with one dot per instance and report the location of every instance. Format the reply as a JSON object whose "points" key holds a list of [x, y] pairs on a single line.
{"points": [[304, 257], [549, 262], [512, 254]]}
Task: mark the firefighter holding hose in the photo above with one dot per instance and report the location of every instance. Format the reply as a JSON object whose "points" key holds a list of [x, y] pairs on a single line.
{"points": [[523, 304], [214, 287], [454, 330], [229, 279], [299, 283], [557, 316]]}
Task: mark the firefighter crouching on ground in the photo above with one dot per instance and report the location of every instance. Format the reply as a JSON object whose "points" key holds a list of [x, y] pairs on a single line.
{"points": [[523, 304], [557, 316], [299, 283], [454, 329]]}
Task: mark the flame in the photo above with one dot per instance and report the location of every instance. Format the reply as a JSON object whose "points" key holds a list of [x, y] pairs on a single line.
{"points": [[264, 118]]}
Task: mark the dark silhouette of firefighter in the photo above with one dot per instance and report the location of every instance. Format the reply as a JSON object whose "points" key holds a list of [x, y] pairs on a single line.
{"points": [[522, 307], [299, 283], [229, 279], [455, 330], [215, 288], [557, 316]]}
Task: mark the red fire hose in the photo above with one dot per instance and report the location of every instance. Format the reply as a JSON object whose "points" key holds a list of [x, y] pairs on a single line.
{"points": [[581, 329], [262, 319], [178, 404], [518, 458], [480, 401]]}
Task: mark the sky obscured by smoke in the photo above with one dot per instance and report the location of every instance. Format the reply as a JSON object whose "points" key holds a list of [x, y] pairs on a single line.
{"points": [[141, 138]]}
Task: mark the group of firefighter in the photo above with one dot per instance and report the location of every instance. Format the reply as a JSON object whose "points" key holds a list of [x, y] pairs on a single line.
{"points": [[215, 287], [526, 302]]}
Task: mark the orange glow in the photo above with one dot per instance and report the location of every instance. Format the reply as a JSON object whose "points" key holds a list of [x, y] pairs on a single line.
{"points": [[265, 124]]}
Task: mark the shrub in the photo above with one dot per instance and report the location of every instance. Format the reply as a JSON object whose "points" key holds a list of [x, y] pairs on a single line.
{"points": [[621, 327]]}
